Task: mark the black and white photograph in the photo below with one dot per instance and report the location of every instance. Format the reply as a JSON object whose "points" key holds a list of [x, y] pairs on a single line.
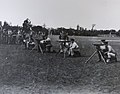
{"points": [[59, 47]]}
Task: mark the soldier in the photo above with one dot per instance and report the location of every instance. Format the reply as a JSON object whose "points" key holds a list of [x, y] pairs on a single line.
{"points": [[73, 46], [46, 44], [110, 53], [63, 37], [107, 52]]}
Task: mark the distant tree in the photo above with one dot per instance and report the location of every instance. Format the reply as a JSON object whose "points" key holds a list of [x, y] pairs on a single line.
{"points": [[37, 28]]}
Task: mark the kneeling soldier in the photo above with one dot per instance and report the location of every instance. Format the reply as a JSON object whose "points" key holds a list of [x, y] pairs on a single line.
{"points": [[73, 46]]}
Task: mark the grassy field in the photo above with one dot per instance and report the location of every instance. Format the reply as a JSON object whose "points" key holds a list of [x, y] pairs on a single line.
{"points": [[25, 72]]}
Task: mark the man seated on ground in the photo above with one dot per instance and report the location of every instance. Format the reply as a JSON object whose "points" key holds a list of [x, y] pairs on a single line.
{"points": [[73, 46], [46, 44], [107, 52], [110, 53]]}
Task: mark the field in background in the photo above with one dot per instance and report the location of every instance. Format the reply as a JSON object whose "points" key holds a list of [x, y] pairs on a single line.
{"points": [[25, 72]]}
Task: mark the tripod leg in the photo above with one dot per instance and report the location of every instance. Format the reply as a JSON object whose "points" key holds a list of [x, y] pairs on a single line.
{"points": [[33, 48], [90, 56], [64, 54], [58, 52], [65, 51], [40, 48], [102, 57]]}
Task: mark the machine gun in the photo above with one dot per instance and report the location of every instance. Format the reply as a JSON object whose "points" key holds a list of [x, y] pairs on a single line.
{"points": [[97, 51], [98, 44]]}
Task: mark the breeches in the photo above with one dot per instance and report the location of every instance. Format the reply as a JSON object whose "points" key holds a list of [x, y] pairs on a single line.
{"points": [[111, 54]]}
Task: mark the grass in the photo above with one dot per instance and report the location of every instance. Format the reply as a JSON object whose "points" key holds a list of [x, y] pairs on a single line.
{"points": [[25, 72]]}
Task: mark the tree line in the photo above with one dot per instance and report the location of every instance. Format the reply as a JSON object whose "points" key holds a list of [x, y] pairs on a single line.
{"points": [[80, 31]]}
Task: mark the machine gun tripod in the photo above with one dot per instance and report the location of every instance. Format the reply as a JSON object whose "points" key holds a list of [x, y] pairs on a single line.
{"points": [[96, 52]]}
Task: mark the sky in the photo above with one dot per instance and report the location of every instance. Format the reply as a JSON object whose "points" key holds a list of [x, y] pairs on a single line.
{"points": [[63, 13]]}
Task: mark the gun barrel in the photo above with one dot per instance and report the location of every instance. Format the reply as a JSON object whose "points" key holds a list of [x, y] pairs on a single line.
{"points": [[97, 44]]}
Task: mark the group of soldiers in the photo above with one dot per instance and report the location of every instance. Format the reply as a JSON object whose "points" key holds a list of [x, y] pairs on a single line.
{"points": [[35, 40], [41, 41], [105, 51], [8, 35], [68, 45]]}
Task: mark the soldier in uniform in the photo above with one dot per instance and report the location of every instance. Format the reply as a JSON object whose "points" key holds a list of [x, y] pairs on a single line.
{"points": [[63, 37], [107, 52]]}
